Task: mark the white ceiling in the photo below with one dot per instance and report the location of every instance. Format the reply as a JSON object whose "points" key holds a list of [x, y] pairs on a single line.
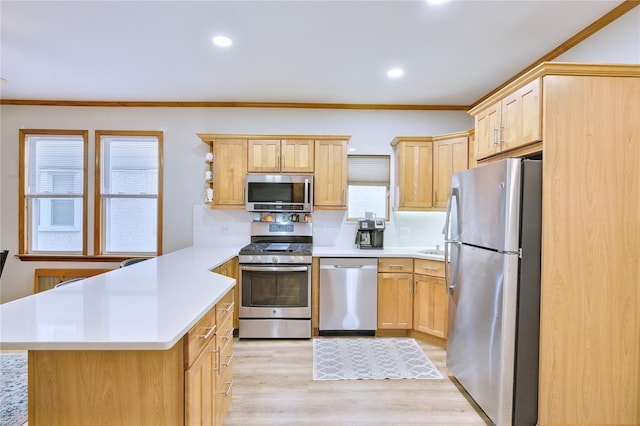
{"points": [[284, 51]]}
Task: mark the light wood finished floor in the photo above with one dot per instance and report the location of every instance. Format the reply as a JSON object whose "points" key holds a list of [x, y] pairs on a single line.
{"points": [[273, 385]]}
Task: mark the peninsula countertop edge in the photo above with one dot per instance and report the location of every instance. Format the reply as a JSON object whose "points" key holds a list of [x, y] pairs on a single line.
{"points": [[150, 305]]}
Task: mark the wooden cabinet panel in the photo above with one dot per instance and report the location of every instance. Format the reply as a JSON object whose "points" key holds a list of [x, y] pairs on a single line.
{"points": [[431, 305], [435, 268], [330, 175], [263, 156], [106, 387], [230, 269], [521, 117], [224, 370], [280, 156], [487, 124], [229, 171], [297, 155], [200, 336], [395, 299], [513, 122], [395, 264], [450, 156], [590, 292], [431, 301], [200, 402], [414, 174]]}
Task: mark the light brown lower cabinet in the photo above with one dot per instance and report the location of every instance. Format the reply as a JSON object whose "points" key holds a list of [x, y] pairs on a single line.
{"points": [[430, 300], [188, 384], [395, 293]]}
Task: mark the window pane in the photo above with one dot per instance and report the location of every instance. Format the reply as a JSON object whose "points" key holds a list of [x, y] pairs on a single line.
{"points": [[365, 198], [368, 181], [130, 165], [55, 225], [62, 212], [129, 188], [130, 225], [56, 164]]}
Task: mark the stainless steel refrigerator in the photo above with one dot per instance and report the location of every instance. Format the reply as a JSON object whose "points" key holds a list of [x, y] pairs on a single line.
{"points": [[492, 248]]}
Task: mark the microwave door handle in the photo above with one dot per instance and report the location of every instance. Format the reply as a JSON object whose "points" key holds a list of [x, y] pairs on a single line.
{"points": [[306, 190]]}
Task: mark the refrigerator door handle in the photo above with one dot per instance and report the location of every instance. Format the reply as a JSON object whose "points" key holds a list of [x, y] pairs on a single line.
{"points": [[449, 276], [447, 229]]}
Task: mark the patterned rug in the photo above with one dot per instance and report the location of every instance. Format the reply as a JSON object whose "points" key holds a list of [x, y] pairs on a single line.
{"points": [[370, 358], [13, 389]]}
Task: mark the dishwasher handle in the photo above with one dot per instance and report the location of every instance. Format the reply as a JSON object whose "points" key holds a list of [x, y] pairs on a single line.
{"points": [[348, 267]]}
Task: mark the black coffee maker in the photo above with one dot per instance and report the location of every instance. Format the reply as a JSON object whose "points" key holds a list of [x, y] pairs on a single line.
{"points": [[370, 233]]}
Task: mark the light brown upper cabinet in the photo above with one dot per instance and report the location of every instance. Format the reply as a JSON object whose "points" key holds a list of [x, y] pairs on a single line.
{"points": [[510, 123], [229, 170], [330, 175], [423, 169], [450, 155], [280, 156], [413, 173]]}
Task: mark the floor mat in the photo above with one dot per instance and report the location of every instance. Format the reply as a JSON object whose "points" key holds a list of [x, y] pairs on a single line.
{"points": [[371, 358]]}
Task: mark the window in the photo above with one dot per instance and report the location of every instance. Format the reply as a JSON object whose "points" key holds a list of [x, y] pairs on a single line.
{"points": [[128, 201], [53, 192], [368, 184], [55, 199]]}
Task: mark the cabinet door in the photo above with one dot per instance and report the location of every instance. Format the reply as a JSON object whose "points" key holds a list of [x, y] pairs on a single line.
{"points": [[263, 156], [521, 117], [431, 306], [199, 389], [414, 170], [330, 176], [487, 124], [297, 156], [395, 300], [449, 157], [229, 171]]}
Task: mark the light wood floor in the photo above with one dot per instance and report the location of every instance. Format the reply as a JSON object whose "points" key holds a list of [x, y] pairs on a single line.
{"points": [[273, 385]]}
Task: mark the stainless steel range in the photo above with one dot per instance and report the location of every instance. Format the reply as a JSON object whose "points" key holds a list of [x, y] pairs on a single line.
{"points": [[275, 281]]}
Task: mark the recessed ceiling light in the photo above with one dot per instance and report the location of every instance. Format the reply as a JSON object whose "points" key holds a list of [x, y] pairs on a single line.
{"points": [[395, 72], [222, 41], [437, 1]]}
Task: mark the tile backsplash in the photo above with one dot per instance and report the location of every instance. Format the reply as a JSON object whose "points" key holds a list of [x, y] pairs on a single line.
{"points": [[227, 228]]}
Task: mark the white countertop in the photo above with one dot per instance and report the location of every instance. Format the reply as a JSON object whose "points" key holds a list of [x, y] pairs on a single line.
{"points": [[146, 306], [415, 252]]}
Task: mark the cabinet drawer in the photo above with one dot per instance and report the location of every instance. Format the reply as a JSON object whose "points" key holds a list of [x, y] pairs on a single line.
{"points": [[199, 336], [435, 268], [395, 264], [224, 307], [224, 334]]}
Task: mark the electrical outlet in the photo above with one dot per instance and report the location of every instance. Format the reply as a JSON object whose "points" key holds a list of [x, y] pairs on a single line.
{"points": [[404, 232], [225, 229]]}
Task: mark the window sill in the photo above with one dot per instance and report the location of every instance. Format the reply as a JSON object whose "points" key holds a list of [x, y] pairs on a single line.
{"points": [[72, 258]]}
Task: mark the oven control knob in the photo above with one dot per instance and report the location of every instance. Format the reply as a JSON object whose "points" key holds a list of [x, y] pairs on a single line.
{"points": [[275, 259]]}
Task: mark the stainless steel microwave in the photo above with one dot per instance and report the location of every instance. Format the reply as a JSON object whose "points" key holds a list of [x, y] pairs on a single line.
{"points": [[279, 193]]}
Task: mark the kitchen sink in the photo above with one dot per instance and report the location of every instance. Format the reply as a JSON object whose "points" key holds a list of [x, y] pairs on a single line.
{"points": [[435, 252]]}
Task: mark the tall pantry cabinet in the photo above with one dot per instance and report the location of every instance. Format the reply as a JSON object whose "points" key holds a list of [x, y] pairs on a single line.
{"points": [[589, 133]]}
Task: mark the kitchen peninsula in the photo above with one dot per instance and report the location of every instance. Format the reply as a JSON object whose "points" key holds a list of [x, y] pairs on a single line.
{"points": [[131, 346]]}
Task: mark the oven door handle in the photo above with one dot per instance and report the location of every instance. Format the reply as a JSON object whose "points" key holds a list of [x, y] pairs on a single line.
{"points": [[275, 268]]}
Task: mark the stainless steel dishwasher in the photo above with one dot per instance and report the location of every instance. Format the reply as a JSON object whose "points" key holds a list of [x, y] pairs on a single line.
{"points": [[348, 296]]}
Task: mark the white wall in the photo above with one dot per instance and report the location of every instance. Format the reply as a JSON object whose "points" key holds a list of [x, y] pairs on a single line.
{"points": [[186, 220], [184, 166]]}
